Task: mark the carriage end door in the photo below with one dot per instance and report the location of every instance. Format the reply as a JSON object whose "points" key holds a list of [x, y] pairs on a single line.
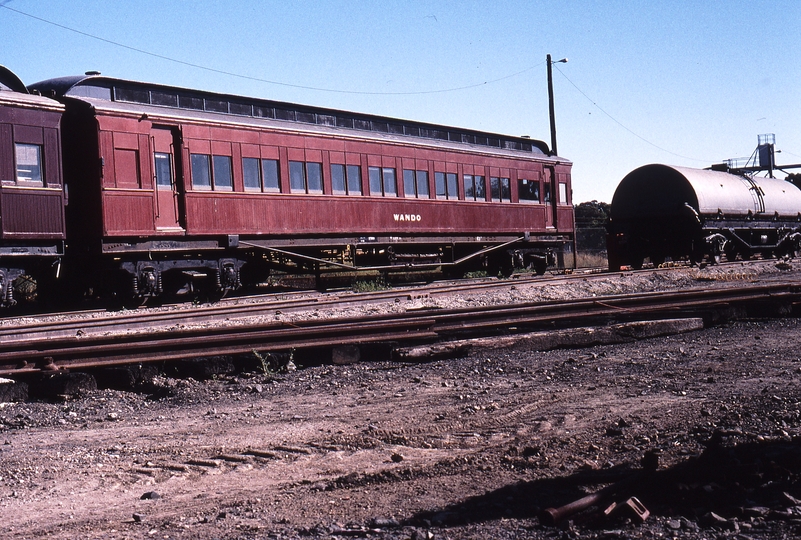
{"points": [[167, 167], [550, 196]]}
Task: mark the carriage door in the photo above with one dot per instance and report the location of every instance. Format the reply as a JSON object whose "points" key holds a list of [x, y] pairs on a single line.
{"points": [[168, 206], [549, 196]]}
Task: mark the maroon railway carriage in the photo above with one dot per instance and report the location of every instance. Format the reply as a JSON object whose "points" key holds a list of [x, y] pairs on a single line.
{"points": [[32, 200], [170, 185]]}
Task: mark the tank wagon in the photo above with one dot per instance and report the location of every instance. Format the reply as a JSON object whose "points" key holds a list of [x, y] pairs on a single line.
{"points": [[32, 222], [660, 211], [173, 189]]}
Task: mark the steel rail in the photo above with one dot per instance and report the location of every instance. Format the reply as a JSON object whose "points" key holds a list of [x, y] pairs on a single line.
{"points": [[414, 326], [151, 347], [614, 302], [617, 303], [104, 322]]}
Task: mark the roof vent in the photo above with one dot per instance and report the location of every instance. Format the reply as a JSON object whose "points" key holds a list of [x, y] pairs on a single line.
{"points": [[90, 73]]}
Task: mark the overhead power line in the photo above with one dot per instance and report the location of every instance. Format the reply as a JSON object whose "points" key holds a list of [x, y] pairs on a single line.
{"points": [[616, 121], [258, 79], [3, 4]]}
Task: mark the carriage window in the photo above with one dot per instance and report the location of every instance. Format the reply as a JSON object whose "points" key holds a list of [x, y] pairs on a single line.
{"points": [[354, 180], [250, 173], [382, 181], [297, 177], [163, 170], [409, 189], [29, 163], [201, 173], [506, 190], [269, 170], [415, 184], [211, 172], [305, 177], [528, 190], [346, 180], [314, 177], [453, 189], [500, 189], [439, 180], [481, 188], [474, 188], [562, 193], [338, 179], [260, 176], [422, 185], [446, 185], [222, 173], [546, 192]]}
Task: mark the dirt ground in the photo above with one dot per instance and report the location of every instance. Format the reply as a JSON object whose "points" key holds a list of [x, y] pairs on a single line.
{"points": [[474, 447]]}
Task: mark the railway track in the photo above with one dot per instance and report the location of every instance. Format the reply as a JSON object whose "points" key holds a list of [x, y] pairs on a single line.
{"points": [[65, 347], [101, 322]]}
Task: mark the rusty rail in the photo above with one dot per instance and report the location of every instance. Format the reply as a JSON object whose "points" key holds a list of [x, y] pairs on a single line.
{"points": [[31, 353]]}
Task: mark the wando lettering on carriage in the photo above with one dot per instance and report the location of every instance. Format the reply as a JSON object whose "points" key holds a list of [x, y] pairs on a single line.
{"points": [[407, 217]]}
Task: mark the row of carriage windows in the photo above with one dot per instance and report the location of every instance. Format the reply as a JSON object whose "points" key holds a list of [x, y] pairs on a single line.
{"points": [[212, 172], [215, 172]]}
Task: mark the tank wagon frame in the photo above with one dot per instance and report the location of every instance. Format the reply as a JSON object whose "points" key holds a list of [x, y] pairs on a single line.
{"points": [[172, 188], [660, 211]]}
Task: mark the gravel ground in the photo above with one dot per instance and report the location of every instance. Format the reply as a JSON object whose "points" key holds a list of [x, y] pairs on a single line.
{"points": [[474, 447]]}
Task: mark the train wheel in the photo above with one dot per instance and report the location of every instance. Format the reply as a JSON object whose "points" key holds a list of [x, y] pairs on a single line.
{"points": [[540, 267]]}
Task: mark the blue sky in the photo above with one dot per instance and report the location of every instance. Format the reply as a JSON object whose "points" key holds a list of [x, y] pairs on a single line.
{"points": [[680, 82]]}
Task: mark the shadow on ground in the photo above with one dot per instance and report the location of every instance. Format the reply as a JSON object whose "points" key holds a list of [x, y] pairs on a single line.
{"points": [[730, 481]]}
